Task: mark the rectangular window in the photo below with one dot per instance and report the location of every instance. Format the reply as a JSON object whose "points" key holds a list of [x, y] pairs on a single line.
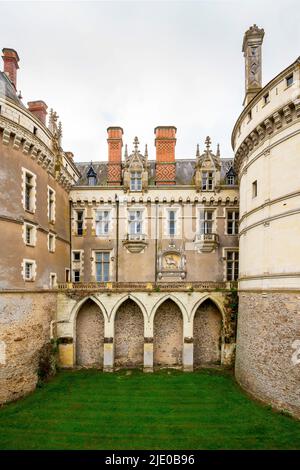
{"points": [[52, 280], [206, 221], [290, 80], [28, 192], [102, 267], [102, 222], [135, 222], [76, 275], [266, 98], [67, 275], [51, 242], [232, 265], [28, 271], [29, 234], [79, 223], [51, 203], [232, 222], [136, 181], [171, 223], [254, 189], [76, 255], [207, 180], [230, 180]]}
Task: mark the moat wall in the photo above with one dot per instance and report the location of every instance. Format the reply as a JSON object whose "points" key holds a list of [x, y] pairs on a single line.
{"points": [[268, 348], [24, 332]]}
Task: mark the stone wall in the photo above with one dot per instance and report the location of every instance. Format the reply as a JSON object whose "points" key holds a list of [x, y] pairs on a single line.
{"points": [[268, 348], [24, 331], [129, 335], [89, 335], [207, 334], [168, 335]]}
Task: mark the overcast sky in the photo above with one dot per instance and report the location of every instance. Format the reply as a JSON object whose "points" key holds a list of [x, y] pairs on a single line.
{"points": [[142, 64]]}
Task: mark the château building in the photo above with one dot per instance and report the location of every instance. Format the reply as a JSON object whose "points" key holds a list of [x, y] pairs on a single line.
{"points": [[133, 261]]}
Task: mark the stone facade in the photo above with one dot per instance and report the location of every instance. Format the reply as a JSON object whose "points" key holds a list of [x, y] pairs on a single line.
{"points": [[25, 320], [268, 344]]}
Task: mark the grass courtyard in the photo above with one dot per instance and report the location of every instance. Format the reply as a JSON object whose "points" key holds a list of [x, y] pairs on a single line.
{"points": [[131, 410]]}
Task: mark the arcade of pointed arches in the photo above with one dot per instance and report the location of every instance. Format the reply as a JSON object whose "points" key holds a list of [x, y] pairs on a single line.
{"points": [[141, 330]]}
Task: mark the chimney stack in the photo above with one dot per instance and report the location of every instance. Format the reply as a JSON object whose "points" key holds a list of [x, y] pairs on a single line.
{"points": [[253, 39], [10, 58], [165, 141], [39, 109], [115, 143]]}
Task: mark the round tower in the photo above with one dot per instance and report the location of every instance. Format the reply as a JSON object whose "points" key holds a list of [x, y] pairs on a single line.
{"points": [[266, 143]]}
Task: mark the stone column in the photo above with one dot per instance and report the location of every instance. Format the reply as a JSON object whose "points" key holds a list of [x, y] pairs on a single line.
{"points": [[108, 355], [188, 354], [148, 354]]}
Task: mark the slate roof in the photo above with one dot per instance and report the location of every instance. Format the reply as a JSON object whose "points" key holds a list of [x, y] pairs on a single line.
{"points": [[184, 171], [7, 90]]}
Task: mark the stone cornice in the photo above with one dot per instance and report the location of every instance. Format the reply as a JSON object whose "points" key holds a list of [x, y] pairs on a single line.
{"points": [[21, 221], [262, 92], [29, 144], [212, 200], [280, 119], [269, 203], [266, 221]]}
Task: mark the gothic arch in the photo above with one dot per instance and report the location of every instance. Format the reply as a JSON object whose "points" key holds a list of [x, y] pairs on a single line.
{"points": [[172, 297], [213, 300], [168, 323], [78, 305], [122, 300], [89, 325], [129, 334], [208, 331]]}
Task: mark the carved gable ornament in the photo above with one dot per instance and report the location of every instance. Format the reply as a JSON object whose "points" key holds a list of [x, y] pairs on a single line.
{"points": [[207, 162], [136, 163]]}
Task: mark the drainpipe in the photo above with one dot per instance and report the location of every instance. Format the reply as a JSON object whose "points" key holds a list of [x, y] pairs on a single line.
{"points": [[117, 238], [70, 237], [156, 236]]}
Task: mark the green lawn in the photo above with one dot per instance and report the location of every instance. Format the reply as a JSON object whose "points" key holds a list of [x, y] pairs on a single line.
{"points": [[133, 410]]}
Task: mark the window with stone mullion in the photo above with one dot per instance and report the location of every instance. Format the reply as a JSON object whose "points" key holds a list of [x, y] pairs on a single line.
{"points": [[136, 181], [135, 222]]}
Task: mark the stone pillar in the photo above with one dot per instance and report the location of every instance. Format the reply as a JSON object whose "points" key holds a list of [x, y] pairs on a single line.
{"points": [[66, 352], [108, 355], [165, 141], [148, 354], [188, 354], [252, 43]]}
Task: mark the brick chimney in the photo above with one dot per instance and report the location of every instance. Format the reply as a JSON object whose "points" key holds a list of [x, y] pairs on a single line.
{"points": [[165, 141], [39, 109], [115, 143], [10, 58]]}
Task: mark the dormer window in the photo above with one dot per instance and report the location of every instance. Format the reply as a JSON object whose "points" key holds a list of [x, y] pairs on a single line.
{"points": [[230, 180], [289, 80], [207, 180], [91, 176], [136, 181]]}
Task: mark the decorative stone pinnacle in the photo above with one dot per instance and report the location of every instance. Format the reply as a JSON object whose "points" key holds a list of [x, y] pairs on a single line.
{"points": [[146, 150], [136, 144], [198, 151], [207, 143], [218, 150], [126, 152]]}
